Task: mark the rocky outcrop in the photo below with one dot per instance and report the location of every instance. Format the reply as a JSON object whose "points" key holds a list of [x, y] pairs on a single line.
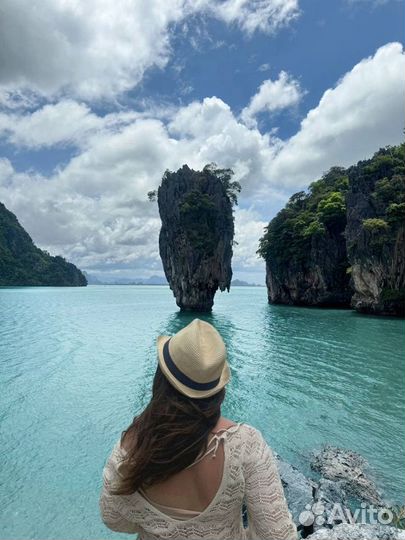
{"points": [[196, 237], [341, 243], [339, 502], [319, 279], [24, 264], [346, 531], [376, 233], [298, 489], [305, 249], [348, 469]]}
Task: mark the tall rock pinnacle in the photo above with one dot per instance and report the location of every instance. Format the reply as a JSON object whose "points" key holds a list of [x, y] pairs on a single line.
{"points": [[196, 237]]}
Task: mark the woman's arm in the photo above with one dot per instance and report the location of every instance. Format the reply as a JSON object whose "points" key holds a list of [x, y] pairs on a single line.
{"points": [[268, 514], [109, 503]]}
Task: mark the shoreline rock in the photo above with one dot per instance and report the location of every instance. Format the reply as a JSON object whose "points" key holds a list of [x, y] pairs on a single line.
{"points": [[356, 531], [325, 508], [347, 468]]}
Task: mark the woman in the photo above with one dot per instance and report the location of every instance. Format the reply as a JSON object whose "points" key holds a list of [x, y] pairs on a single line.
{"points": [[181, 470]]}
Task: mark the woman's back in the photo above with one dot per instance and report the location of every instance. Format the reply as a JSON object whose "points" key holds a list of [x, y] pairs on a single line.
{"points": [[195, 487], [247, 472]]}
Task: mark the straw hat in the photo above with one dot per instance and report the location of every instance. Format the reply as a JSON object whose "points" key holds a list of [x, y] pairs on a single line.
{"points": [[194, 360]]}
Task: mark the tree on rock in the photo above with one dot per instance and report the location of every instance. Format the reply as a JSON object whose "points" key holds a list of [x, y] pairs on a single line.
{"points": [[196, 238]]}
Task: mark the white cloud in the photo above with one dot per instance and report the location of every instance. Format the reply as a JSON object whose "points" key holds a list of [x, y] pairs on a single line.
{"points": [[273, 96], [90, 49], [94, 210], [101, 48], [363, 112], [253, 15], [249, 226], [66, 122]]}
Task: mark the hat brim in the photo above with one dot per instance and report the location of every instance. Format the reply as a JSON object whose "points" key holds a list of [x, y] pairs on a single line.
{"points": [[190, 392]]}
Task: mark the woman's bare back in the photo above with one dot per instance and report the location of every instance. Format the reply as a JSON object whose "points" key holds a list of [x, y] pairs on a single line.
{"points": [[193, 488]]}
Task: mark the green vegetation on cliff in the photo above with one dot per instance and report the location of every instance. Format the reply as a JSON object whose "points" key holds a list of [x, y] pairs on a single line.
{"points": [[384, 178], [200, 217], [375, 231], [22, 263], [307, 214]]}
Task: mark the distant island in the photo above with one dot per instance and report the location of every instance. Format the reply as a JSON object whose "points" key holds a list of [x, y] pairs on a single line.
{"points": [[152, 280], [24, 264], [241, 283]]}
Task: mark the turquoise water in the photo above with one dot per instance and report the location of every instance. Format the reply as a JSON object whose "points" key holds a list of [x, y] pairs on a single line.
{"points": [[76, 364]]}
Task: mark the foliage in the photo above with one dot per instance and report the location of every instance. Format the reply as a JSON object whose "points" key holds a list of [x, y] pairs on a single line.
{"points": [[205, 205], [307, 215], [332, 208], [313, 229], [198, 217], [375, 225], [232, 188], [322, 209], [393, 295], [387, 189], [382, 178], [396, 212], [22, 263]]}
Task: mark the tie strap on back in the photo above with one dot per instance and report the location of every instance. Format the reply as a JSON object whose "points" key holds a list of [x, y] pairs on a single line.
{"points": [[216, 439]]}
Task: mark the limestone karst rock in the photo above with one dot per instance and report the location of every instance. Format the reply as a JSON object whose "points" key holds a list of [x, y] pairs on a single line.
{"points": [[196, 237], [304, 247], [375, 232], [341, 243]]}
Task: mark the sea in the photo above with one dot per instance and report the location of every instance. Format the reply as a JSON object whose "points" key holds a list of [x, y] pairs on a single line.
{"points": [[76, 364]]}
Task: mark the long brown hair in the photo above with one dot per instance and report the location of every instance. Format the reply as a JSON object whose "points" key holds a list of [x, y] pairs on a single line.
{"points": [[167, 436]]}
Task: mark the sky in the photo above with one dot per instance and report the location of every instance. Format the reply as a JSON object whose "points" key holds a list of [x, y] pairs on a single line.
{"points": [[99, 98]]}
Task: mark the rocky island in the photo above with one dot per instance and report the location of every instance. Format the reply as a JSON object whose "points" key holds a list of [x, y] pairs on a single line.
{"points": [[341, 243], [304, 247], [196, 238], [24, 264]]}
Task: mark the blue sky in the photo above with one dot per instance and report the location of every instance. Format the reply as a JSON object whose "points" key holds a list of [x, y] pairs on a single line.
{"points": [[95, 106]]}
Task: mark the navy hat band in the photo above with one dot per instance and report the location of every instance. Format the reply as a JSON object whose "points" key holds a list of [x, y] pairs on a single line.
{"points": [[181, 377]]}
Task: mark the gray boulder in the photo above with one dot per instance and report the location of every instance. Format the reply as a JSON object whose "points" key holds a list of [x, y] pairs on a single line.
{"points": [[358, 532], [347, 468], [298, 489]]}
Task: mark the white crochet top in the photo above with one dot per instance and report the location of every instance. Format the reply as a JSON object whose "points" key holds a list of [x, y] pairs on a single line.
{"points": [[250, 475]]}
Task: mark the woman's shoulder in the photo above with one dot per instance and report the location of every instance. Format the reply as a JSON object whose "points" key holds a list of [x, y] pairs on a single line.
{"points": [[250, 431], [253, 440]]}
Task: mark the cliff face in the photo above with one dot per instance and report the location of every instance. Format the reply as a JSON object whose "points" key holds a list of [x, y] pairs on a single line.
{"points": [[304, 247], [196, 237], [23, 264], [376, 233], [318, 279]]}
